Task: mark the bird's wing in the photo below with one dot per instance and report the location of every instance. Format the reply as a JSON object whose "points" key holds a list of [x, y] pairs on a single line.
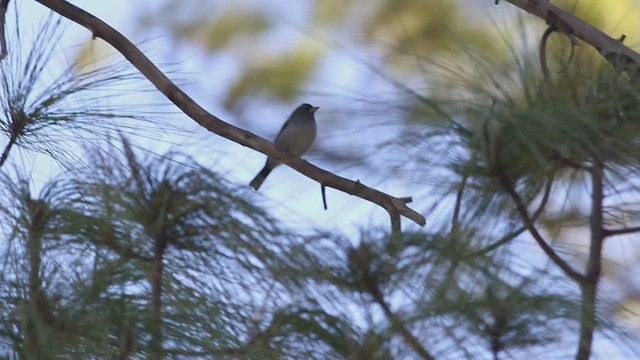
{"points": [[284, 126]]}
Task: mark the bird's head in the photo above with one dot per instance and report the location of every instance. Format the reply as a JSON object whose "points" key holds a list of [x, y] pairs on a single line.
{"points": [[307, 109]]}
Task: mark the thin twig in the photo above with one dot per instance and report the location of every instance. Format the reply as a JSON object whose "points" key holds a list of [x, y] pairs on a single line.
{"points": [[622, 231], [543, 53], [323, 191], [399, 324], [455, 221], [7, 148], [524, 213], [534, 217], [212, 123]]}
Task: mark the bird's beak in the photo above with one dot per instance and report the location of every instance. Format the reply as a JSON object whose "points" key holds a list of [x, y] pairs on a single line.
{"points": [[314, 109]]}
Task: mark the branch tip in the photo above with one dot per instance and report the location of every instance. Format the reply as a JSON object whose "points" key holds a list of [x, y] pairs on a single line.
{"points": [[323, 191]]}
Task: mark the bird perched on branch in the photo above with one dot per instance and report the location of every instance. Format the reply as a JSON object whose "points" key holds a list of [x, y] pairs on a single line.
{"points": [[296, 136]]}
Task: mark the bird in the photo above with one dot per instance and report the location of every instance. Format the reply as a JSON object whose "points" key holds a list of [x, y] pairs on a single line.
{"points": [[296, 136]]}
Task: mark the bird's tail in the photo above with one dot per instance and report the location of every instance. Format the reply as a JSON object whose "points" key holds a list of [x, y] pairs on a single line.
{"points": [[259, 179]]}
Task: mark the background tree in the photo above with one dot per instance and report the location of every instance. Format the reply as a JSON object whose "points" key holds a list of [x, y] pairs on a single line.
{"points": [[161, 257]]}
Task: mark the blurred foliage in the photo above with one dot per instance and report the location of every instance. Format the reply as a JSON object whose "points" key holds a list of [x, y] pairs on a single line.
{"points": [[423, 29], [242, 29], [406, 35], [266, 80], [80, 272]]}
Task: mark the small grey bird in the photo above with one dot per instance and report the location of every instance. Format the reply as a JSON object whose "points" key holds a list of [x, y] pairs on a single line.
{"points": [[296, 136]]}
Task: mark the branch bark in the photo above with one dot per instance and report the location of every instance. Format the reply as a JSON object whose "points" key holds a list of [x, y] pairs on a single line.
{"points": [[611, 49], [394, 206]]}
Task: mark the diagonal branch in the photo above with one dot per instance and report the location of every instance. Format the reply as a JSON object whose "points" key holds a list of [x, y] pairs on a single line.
{"points": [[524, 213], [7, 148], [611, 49], [510, 236], [394, 206], [398, 324]]}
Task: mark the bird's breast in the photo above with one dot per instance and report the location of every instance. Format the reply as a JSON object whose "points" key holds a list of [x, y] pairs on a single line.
{"points": [[298, 137]]}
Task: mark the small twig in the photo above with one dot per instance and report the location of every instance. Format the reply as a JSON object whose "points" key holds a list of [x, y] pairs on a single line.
{"points": [[524, 213], [7, 148], [543, 53], [323, 191], [534, 217], [560, 27], [623, 231], [488, 144], [397, 323], [455, 221], [4, 4]]}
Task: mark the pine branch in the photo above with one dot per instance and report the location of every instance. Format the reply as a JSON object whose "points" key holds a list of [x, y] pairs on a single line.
{"points": [[524, 213], [398, 324], [532, 219], [594, 264], [622, 231], [7, 148], [393, 205], [611, 49]]}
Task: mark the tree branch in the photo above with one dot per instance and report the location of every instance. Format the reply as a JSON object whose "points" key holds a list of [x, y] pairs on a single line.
{"points": [[398, 324], [394, 206], [611, 49], [532, 219], [7, 148], [594, 263], [622, 231], [524, 213]]}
